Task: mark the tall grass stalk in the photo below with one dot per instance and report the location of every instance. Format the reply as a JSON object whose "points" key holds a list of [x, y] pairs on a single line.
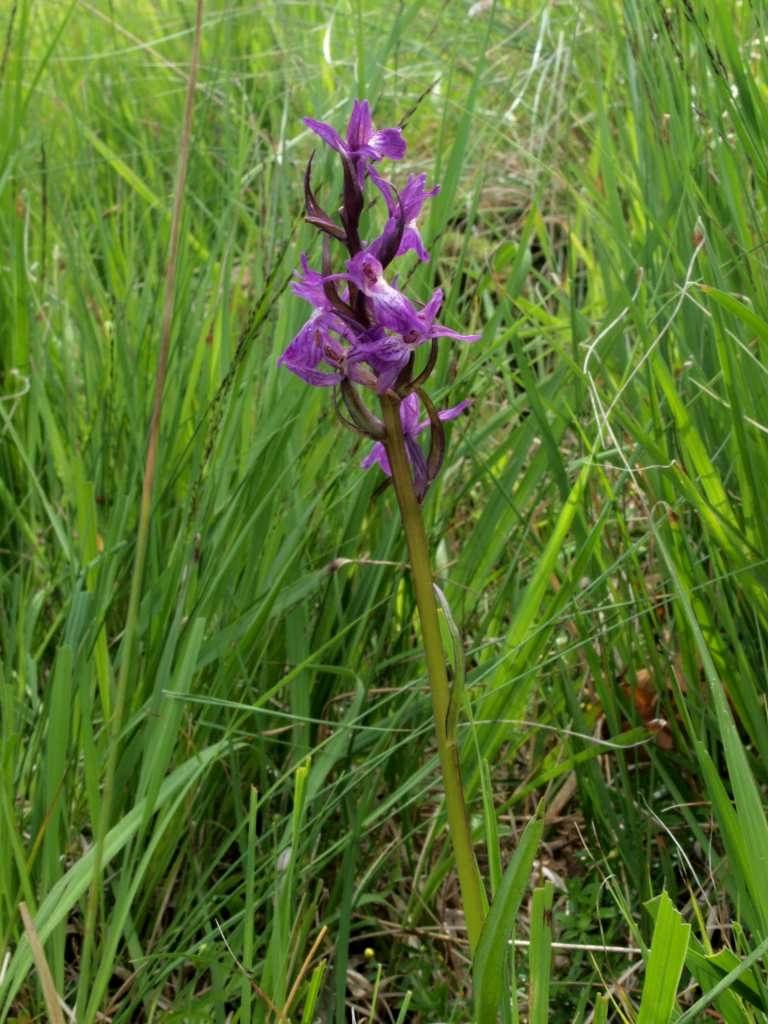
{"points": [[89, 996]]}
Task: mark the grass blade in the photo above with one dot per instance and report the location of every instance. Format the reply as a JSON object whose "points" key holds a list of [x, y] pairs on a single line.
{"points": [[488, 968], [665, 965]]}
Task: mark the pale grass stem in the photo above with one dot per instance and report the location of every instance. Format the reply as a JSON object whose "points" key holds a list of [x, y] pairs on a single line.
{"points": [[129, 636]]}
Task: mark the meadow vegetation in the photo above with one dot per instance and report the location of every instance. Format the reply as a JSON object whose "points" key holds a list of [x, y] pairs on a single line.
{"points": [[274, 844]]}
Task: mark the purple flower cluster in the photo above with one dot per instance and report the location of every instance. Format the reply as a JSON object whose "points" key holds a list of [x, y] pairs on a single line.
{"points": [[363, 331]]}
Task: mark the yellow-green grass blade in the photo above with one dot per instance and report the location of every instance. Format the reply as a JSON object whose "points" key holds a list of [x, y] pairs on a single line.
{"points": [[664, 965]]}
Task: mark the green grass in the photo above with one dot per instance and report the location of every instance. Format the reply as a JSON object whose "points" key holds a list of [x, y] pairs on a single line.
{"points": [[598, 527]]}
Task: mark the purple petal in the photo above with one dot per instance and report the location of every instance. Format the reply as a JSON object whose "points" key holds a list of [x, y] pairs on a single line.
{"points": [[365, 271], [432, 330], [386, 354], [409, 415], [454, 411], [305, 348], [384, 240], [327, 133], [360, 127], [432, 308], [439, 331], [412, 199], [366, 152], [394, 311], [413, 196], [311, 346], [412, 240], [310, 286], [377, 454], [317, 378], [384, 187], [446, 414], [389, 243], [386, 377], [388, 142], [390, 308], [418, 465]]}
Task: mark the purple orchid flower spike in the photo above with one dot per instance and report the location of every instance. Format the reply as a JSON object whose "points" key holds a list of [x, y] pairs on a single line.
{"points": [[363, 335], [412, 428], [363, 144]]}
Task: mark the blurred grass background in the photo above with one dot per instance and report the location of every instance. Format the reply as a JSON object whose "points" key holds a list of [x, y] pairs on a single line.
{"points": [[276, 838]]}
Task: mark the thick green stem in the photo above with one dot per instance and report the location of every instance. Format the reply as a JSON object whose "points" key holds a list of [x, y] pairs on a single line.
{"points": [[472, 892]]}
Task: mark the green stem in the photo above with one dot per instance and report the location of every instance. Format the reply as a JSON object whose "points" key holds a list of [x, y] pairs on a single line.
{"points": [[472, 892]]}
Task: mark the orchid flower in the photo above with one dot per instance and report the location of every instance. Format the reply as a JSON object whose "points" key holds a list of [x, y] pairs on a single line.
{"points": [[411, 200], [412, 427], [362, 143]]}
